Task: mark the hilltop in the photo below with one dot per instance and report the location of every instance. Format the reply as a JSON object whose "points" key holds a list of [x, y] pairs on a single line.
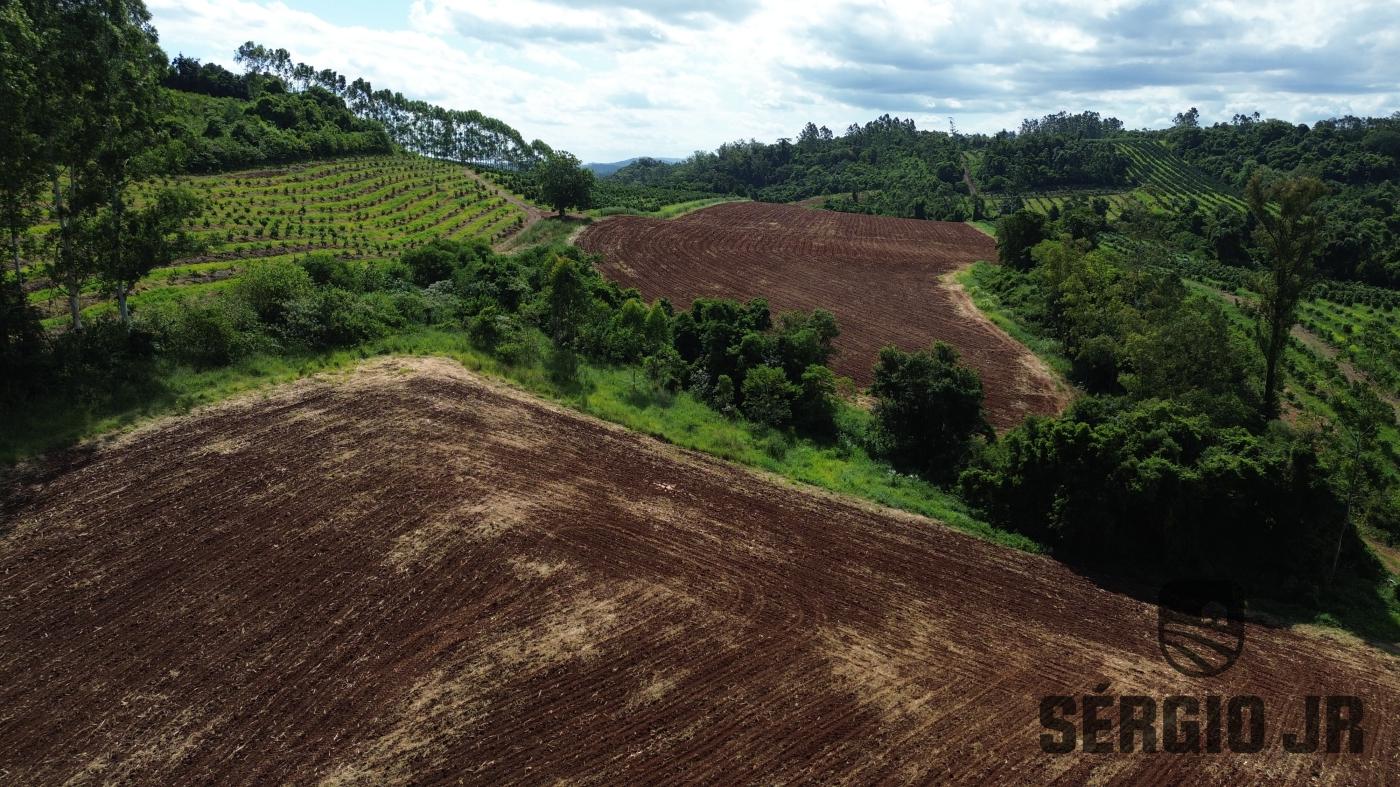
{"points": [[603, 170]]}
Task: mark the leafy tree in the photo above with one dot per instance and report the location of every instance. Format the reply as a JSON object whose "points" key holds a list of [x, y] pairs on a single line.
{"points": [[805, 340], [768, 396], [567, 300], [433, 262], [665, 370], [100, 65], [1289, 240], [928, 408], [152, 237], [627, 338], [1190, 354], [1017, 234], [814, 407], [722, 398], [657, 330], [270, 289], [21, 335], [1154, 486], [1356, 455], [563, 183]]}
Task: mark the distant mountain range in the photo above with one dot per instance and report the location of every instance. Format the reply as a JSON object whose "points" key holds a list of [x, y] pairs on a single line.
{"points": [[603, 170]]}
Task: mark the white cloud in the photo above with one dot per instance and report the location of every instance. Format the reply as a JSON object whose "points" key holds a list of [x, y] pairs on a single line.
{"points": [[608, 79]]}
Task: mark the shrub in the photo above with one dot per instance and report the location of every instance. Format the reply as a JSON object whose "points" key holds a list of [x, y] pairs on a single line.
{"points": [[722, 397], [207, 332], [442, 303], [665, 370], [332, 317], [270, 287], [562, 365], [489, 327], [814, 410]]}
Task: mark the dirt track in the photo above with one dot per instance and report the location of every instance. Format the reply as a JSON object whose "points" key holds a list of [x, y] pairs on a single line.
{"points": [[885, 280], [412, 575]]}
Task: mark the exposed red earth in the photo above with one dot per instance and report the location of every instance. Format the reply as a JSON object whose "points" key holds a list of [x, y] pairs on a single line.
{"points": [[411, 574], [885, 279]]}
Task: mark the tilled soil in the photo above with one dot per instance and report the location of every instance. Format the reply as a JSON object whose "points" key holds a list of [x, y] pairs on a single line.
{"points": [[409, 574], [885, 279]]}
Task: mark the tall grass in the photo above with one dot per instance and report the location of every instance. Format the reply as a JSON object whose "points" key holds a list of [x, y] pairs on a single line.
{"points": [[979, 280], [666, 211]]}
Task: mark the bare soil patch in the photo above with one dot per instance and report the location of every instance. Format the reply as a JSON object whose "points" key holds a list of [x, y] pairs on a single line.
{"points": [[880, 276], [410, 574]]}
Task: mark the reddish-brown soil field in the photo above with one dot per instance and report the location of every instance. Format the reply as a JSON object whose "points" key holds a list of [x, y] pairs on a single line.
{"points": [[885, 279], [411, 575]]}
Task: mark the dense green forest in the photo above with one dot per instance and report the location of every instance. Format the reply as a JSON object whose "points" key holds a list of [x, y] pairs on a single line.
{"points": [[889, 166], [261, 124]]}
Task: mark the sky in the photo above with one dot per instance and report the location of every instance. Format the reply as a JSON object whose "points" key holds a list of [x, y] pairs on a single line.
{"points": [[612, 79]]}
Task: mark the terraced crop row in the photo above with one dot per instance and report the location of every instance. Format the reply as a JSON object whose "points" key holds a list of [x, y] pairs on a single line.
{"points": [[368, 209], [1364, 335], [1043, 203], [1169, 181]]}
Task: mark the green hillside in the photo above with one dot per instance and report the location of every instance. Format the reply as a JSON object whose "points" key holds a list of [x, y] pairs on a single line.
{"points": [[1168, 181], [364, 209]]}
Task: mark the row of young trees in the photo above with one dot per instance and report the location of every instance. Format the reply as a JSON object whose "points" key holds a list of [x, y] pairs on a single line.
{"points": [[82, 102]]}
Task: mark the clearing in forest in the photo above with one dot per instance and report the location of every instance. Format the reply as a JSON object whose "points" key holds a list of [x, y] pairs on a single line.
{"points": [[887, 281]]}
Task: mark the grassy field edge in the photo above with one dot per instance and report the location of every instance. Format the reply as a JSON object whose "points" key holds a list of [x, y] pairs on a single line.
{"points": [[617, 395]]}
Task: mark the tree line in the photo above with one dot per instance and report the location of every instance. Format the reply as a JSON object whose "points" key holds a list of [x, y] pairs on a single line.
{"points": [[467, 136], [888, 166], [83, 105]]}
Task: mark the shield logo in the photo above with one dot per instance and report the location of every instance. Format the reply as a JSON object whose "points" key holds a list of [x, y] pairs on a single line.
{"points": [[1200, 626]]}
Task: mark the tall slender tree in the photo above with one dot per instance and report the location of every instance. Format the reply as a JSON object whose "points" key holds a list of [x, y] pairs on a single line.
{"points": [[1290, 238], [23, 168], [152, 236], [100, 73]]}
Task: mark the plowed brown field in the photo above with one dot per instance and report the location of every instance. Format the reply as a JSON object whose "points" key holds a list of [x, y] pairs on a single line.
{"points": [[413, 575], [885, 280]]}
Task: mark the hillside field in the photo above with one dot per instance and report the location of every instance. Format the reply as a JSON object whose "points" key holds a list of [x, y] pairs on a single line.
{"points": [[884, 279], [411, 574], [369, 208]]}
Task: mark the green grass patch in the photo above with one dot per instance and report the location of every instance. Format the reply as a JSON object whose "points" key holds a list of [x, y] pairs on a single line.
{"points": [[547, 232], [1000, 293], [671, 211], [988, 228]]}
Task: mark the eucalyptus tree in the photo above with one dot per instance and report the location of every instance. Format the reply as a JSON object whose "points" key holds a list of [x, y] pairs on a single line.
{"points": [[23, 168], [1290, 237]]}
